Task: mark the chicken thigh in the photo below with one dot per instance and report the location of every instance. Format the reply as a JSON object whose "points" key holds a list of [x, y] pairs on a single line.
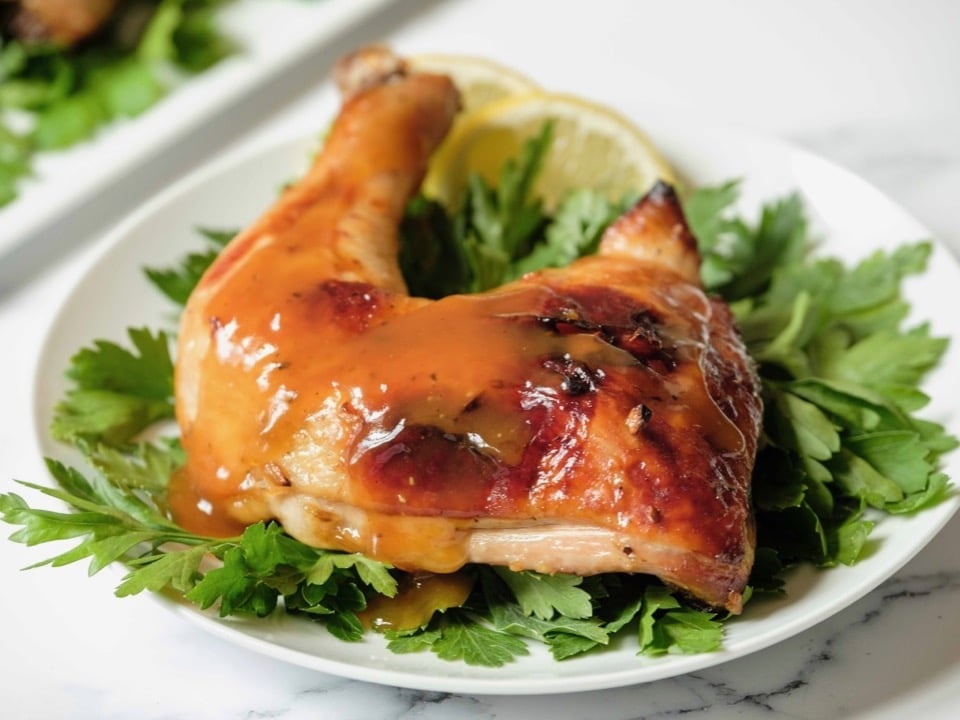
{"points": [[598, 418]]}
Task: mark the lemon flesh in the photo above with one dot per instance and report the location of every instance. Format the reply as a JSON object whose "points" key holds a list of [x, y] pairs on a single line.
{"points": [[479, 80], [592, 147]]}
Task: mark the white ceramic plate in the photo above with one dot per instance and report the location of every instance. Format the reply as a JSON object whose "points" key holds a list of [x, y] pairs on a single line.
{"points": [[271, 37], [852, 217]]}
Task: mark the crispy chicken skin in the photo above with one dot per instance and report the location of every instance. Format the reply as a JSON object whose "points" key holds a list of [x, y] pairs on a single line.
{"points": [[597, 418]]}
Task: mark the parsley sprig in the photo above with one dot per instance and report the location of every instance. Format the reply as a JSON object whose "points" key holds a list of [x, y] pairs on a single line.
{"points": [[122, 518], [501, 232], [842, 443]]}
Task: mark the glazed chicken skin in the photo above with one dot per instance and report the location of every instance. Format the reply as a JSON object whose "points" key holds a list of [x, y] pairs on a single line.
{"points": [[598, 418]]}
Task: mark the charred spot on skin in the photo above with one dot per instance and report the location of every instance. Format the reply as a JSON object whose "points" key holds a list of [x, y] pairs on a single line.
{"points": [[643, 340], [567, 320], [616, 319], [473, 404], [627, 550], [578, 377], [662, 192], [353, 304], [638, 417], [645, 326]]}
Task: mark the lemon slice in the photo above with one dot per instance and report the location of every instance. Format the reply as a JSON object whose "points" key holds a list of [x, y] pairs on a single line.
{"points": [[479, 80], [592, 147]]}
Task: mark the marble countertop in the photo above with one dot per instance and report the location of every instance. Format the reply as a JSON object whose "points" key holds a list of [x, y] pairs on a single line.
{"points": [[871, 85]]}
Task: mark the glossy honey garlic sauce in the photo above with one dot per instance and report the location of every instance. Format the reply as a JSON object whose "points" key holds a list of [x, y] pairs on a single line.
{"points": [[601, 417], [418, 597], [540, 400]]}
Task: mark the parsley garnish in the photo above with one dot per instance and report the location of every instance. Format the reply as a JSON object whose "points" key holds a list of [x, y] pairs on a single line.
{"points": [[499, 233], [124, 520], [117, 392], [67, 94], [840, 374]]}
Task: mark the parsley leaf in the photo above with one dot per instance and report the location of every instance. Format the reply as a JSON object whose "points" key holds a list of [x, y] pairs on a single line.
{"points": [[462, 638], [15, 150], [545, 595], [117, 392], [432, 257], [179, 281], [739, 260], [574, 231]]}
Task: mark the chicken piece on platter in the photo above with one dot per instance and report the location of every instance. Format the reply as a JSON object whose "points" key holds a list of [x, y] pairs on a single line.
{"points": [[64, 22], [597, 418]]}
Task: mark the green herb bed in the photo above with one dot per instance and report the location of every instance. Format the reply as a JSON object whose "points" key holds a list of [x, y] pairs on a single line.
{"points": [[841, 445]]}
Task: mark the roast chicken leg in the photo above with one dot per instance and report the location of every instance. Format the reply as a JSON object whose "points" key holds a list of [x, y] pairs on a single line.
{"points": [[598, 418]]}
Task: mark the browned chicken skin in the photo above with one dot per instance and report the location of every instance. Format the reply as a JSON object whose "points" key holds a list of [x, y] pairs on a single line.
{"points": [[597, 418]]}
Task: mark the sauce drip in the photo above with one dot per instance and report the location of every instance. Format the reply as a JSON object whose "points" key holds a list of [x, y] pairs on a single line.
{"points": [[196, 512], [418, 597]]}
